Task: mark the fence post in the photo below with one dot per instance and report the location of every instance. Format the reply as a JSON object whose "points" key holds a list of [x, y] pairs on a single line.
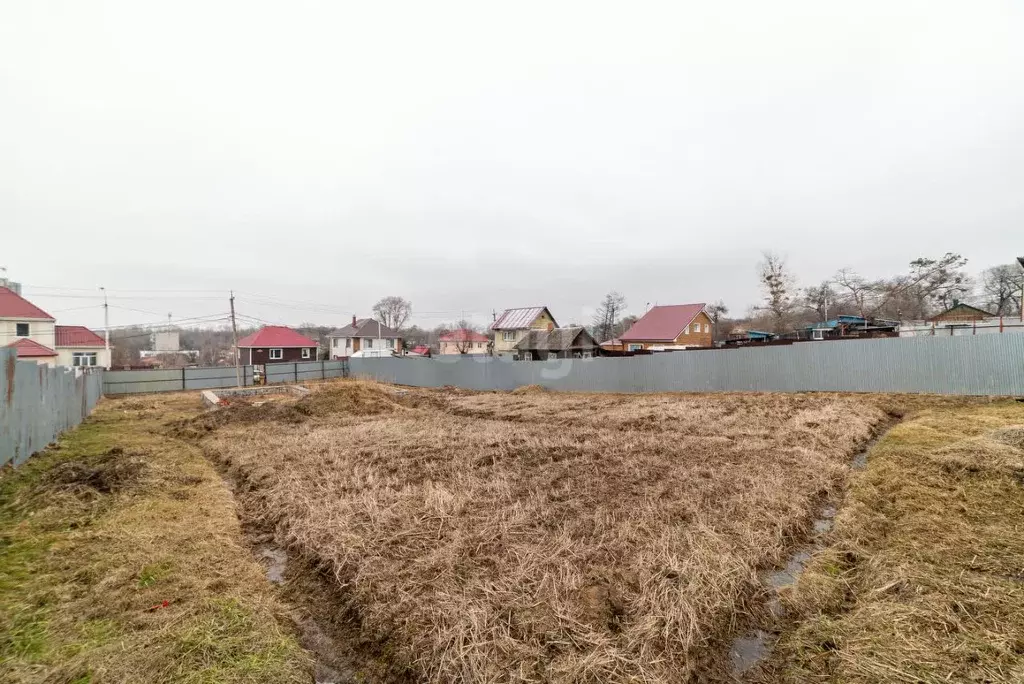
{"points": [[295, 369], [183, 388], [323, 370]]}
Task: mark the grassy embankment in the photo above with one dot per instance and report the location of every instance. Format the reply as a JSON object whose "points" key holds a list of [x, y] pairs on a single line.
{"points": [[97, 533], [924, 578]]}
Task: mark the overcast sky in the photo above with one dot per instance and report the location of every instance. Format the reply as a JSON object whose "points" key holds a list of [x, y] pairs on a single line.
{"points": [[472, 157]]}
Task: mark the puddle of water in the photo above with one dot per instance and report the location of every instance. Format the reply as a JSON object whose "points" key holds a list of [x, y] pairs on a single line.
{"points": [[276, 560], [747, 651], [788, 575]]}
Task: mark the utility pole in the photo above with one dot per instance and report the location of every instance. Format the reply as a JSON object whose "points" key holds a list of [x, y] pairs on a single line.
{"points": [[106, 325], [234, 339]]}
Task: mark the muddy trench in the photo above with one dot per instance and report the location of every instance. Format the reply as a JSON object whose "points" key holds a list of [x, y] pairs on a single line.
{"points": [[753, 646]]}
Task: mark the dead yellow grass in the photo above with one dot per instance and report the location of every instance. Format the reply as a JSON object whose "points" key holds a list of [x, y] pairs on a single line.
{"points": [[97, 534], [924, 580], [543, 537]]}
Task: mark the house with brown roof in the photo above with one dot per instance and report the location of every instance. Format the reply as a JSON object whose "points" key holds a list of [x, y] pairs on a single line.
{"points": [[961, 312], [514, 324], [276, 344], [558, 343], [364, 335], [35, 335], [664, 328]]}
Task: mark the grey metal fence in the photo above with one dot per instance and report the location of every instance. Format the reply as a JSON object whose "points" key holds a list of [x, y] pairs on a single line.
{"points": [[977, 365], [178, 379], [37, 403]]}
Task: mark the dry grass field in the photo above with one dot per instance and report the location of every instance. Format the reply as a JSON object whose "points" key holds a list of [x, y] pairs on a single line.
{"points": [[540, 537]]}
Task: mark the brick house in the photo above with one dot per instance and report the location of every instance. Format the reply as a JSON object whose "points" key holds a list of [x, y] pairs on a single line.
{"points": [[276, 344], [678, 326]]}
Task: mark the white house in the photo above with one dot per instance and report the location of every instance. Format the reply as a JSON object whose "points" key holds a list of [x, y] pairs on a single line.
{"points": [[361, 335], [37, 337]]}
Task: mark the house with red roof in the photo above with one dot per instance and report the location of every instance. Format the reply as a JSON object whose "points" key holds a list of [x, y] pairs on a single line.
{"points": [[663, 328], [35, 335], [463, 341], [276, 344]]}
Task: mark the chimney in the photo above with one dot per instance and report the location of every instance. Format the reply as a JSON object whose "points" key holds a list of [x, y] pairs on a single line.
{"points": [[353, 320]]}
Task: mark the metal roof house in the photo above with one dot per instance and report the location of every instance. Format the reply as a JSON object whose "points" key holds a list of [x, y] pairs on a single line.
{"points": [[513, 324], [363, 334], [275, 344], [662, 328]]}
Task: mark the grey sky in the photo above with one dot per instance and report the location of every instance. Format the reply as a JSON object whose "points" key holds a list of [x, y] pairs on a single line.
{"points": [[471, 157]]}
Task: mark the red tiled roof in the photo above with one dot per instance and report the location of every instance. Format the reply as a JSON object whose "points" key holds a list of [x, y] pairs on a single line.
{"points": [[13, 305], [421, 349], [462, 334], [76, 336], [663, 323], [276, 336], [27, 348], [519, 319]]}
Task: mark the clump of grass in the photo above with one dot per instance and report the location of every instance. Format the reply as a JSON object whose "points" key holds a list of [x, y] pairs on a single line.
{"points": [[924, 580], [108, 573], [550, 537]]}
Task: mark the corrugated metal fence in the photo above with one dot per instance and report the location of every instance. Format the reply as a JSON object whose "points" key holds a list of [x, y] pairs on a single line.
{"points": [[983, 364], [37, 403], [978, 365], [178, 379]]}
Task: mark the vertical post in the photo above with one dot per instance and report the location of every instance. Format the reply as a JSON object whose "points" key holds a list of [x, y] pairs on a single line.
{"points": [[234, 342], [295, 369], [183, 380], [106, 326], [323, 370]]}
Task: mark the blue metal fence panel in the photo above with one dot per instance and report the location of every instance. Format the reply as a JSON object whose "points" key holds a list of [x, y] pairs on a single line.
{"points": [[37, 403], [978, 365]]}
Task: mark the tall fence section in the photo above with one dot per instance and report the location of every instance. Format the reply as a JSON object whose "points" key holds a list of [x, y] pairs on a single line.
{"points": [[37, 403], [178, 379], [981, 365], [968, 365]]}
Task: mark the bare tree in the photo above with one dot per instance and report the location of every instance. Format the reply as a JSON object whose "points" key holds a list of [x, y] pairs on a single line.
{"points": [[715, 312], [464, 333], [778, 285], [856, 291], [393, 311], [607, 316], [1001, 289]]}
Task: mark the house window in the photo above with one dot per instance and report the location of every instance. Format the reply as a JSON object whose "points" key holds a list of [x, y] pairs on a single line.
{"points": [[686, 330], [368, 343], [527, 356], [22, 329], [276, 354], [817, 335], [552, 355], [508, 335], [587, 355], [707, 328], [696, 327], [635, 347], [83, 359], [305, 352], [334, 342]]}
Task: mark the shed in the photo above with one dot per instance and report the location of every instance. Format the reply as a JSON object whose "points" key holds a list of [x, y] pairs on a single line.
{"points": [[559, 343]]}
